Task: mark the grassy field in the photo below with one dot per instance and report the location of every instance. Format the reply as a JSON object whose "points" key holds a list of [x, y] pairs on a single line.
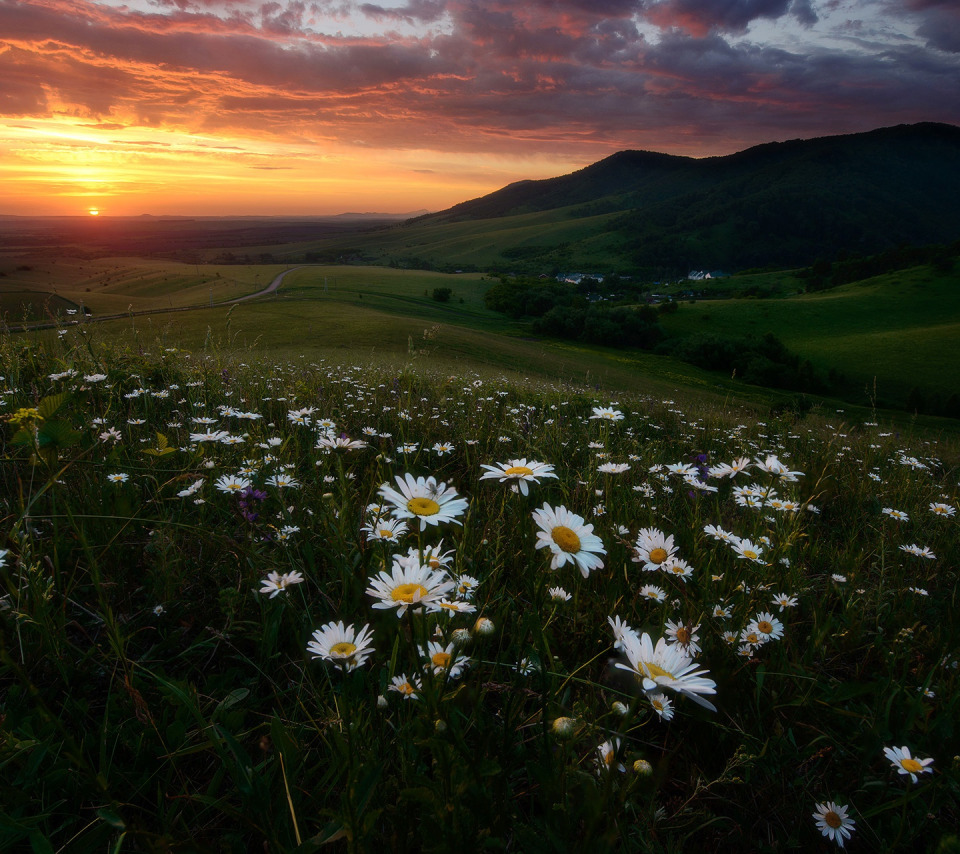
{"points": [[46, 285], [683, 628], [887, 335], [894, 331]]}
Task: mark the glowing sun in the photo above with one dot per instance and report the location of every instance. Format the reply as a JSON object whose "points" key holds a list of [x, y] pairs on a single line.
{"points": [[94, 211]]}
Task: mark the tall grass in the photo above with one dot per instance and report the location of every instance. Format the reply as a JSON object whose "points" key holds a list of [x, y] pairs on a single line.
{"points": [[156, 700]]}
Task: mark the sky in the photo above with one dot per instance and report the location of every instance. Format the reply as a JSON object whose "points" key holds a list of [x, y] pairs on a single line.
{"points": [[315, 107]]}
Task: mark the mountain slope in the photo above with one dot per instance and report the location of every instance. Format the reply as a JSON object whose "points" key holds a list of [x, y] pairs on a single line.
{"points": [[777, 203]]}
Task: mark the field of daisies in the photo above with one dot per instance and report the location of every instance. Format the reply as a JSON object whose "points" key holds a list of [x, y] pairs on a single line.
{"points": [[305, 607]]}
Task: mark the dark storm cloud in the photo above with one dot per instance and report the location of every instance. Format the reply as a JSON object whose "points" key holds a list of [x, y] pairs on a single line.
{"points": [[570, 75]]}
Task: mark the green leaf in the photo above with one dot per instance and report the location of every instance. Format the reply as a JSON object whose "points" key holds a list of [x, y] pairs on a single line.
{"points": [[57, 434], [49, 405]]}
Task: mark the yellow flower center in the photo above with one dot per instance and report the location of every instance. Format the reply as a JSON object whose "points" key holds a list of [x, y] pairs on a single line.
{"points": [[749, 554], [344, 649], [566, 539], [423, 506], [405, 688], [653, 594], [386, 533], [518, 471], [658, 555], [753, 638], [440, 659], [654, 670], [911, 765], [609, 757], [676, 569], [683, 635], [408, 593], [765, 627], [832, 819], [433, 562]]}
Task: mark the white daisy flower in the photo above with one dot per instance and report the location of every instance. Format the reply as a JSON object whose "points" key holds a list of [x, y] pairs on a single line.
{"points": [[906, 764], [833, 822], [666, 666], [424, 499], [343, 645], [520, 472], [409, 586], [653, 549], [568, 538], [276, 583]]}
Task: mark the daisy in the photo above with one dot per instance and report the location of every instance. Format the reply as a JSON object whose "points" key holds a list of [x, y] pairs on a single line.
{"points": [[613, 468], [607, 757], [833, 822], [606, 414], [424, 499], [651, 591], [406, 687], [339, 443], [558, 594], [746, 550], [684, 635], [679, 569], [730, 470], [568, 538], [620, 631], [385, 530], [784, 600], [209, 436], [520, 471], [898, 515], [408, 448], [662, 706], [941, 509], [720, 534], [121, 477], [232, 483], [441, 448], [282, 481], [456, 606], [914, 549], [906, 764], [443, 660], [666, 666], [653, 549], [343, 645], [276, 583], [466, 586], [409, 586], [766, 626]]}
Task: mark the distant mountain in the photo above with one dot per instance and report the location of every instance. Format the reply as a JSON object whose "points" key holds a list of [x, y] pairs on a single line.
{"points": [[777, 203]]}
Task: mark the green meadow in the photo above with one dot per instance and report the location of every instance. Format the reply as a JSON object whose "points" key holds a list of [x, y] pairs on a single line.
{"points": [[891, 336], [889, 333], [299, 581]]}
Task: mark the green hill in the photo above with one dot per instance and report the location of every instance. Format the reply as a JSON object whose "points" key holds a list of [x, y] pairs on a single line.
{"points": [[780, 203]]}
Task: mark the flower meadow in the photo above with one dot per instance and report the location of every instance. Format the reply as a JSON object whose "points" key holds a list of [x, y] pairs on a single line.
{"points": [[309, 606]]}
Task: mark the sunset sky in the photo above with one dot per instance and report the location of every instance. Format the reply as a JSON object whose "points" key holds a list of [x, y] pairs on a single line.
{"points": [[322, 106]]}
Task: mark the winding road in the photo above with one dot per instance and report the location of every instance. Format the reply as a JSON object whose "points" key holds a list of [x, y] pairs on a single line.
{"points": [[269, 289]]}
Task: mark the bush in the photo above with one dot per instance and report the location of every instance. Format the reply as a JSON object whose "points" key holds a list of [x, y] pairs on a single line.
{"points": [[442, 294]]}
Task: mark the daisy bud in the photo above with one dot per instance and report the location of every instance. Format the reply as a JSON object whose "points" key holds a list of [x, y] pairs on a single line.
{"points": [[483, 626], [382, 702], [460, 636], [564, 727], [620, 708], [643, 768]]}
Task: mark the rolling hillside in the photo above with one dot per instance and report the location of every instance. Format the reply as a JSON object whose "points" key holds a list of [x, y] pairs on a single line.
{"points": [[775, 204]]}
